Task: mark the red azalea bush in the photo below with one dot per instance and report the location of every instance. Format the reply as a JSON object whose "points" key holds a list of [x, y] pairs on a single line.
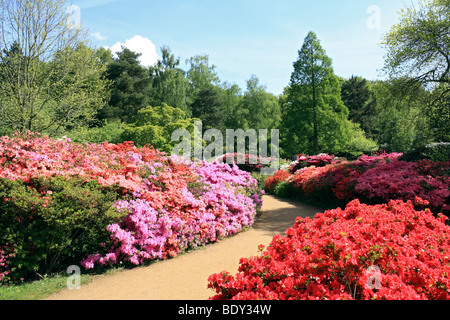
{"points": [[389, 251], [272, 181]]}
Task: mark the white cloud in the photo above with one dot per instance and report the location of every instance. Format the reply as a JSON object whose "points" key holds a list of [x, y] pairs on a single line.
{"points": [[141, 45], [98, 36]]}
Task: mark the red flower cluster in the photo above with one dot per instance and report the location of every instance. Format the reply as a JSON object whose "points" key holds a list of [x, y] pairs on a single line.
{"points": [[272, 181], [389, 251]]}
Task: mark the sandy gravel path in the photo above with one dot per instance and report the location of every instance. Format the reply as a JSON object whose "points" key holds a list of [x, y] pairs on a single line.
{"points": [[186, 276]]}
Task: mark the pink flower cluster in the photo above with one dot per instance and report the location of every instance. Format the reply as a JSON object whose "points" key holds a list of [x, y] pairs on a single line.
{"points": [[4, 270], [372, 179], [170, 206], [381, 252], [402, 180], [320, 160], [222, 202]]}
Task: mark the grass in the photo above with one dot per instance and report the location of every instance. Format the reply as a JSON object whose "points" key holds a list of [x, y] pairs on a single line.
{"points": [[43, 288], [38, 290]]}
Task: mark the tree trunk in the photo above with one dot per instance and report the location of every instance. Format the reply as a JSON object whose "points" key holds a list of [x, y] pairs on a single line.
{"points": [[314, 96]]}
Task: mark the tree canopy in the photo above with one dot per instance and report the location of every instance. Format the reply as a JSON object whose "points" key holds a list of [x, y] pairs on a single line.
{"points": [[315, 117], [50, 79]]}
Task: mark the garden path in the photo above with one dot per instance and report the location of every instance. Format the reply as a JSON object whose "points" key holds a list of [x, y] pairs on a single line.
{"points": [[186, 276]]}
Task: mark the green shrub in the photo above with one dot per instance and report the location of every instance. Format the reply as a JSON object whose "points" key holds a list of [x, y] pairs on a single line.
{"points": [[285, 190], [109, 131], [51, 223], [437, 152]]}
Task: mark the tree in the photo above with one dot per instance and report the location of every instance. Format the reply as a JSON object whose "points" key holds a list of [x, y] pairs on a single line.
{"points": [[130, 86], [169, 83], [438, 113], [418, 47], [400, 120], [418, 50], [50, 79], [200, 76], [154, 126], [356, 96], [259, 109], [232, 97], [209, 107], [314, 114]]}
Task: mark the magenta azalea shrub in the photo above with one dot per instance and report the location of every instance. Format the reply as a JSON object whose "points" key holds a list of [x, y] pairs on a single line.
{"points": [[221, 203]]}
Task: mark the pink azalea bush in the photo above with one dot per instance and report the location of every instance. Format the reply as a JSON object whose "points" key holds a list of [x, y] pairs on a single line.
{"points": [[372, 179], [114, 203], [223, 202]]}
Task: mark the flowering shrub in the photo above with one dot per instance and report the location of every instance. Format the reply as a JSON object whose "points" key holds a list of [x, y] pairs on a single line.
{"points": [[53, 222], [183, 216], [402, 180], [4, 269], [388, 251], [272, 181], [247, 162], [63, 202], [320, 160], [372, 179]]}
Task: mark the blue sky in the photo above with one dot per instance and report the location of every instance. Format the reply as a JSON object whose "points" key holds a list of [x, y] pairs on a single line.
{"points": [[246, 37]]}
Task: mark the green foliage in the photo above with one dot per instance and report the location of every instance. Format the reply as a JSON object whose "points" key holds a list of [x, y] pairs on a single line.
{"points": [[400, 120], [438, 113], [155, 125], [50, 223], [285, 190], [437, 152], [169, 83], [418, 46], [314, 116], [258, 109], [200, 76], [209, 107], [356, 96], [358, 143], [50, 79], [130, 86], [110, 131]]}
